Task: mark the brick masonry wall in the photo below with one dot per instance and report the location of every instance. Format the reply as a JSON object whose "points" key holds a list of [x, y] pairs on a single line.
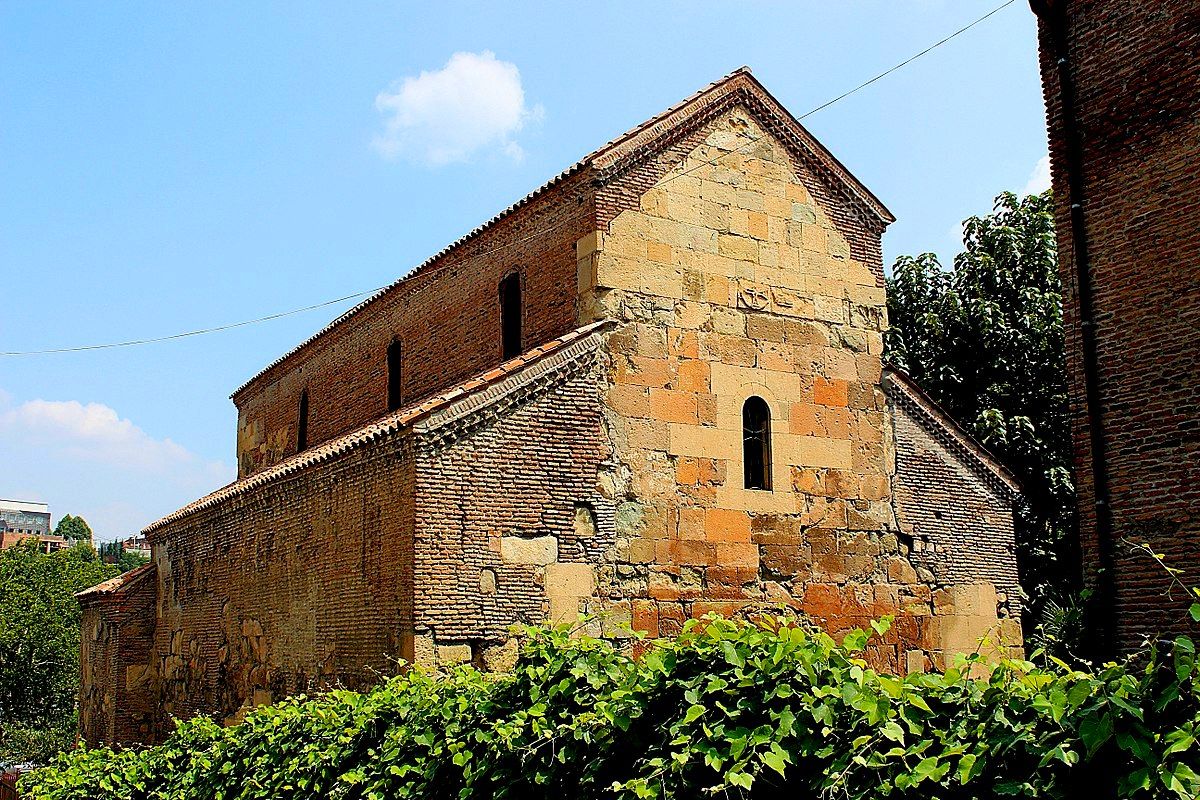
{"points": [[289, 586], [98, 681], [511, 524], [959, 523], [117, 701], [447, 317], [1136, 67]]}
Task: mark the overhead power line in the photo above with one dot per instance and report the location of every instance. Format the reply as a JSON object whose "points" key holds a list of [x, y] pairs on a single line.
{"points": [[908, 60], [281, 314]]}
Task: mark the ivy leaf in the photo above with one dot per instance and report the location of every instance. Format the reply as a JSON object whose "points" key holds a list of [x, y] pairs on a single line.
{"points": [[775, 758]]}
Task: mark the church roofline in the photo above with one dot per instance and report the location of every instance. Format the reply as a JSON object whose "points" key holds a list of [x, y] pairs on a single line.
{"points": [[114, 587], [904, 391], [467, 396], [631, 146]]}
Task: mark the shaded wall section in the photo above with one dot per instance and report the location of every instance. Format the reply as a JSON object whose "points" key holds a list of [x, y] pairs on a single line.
{"points": [[117, 701], [1128, 144]]}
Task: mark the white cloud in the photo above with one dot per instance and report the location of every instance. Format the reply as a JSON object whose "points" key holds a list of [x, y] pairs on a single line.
{"points": [[86, 459], [473, 104], [1039, 181]]}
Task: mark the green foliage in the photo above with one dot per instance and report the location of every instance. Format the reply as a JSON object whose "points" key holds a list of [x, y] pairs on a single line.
{"points": [[39, 644], [73, 529], [762, 709], [125, 560], [985, 341], [36, 744]]}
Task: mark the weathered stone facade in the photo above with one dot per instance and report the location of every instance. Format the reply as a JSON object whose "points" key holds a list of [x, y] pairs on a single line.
{"points": [[1122, 89], [715, 254]]}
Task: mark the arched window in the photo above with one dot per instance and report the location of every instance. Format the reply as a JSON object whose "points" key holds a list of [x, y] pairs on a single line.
{"points": [[395, 358], [756, 443], [302, 423], [510, 315]]}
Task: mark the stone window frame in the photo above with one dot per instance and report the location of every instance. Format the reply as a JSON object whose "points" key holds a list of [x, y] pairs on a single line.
{"points": [[764, 481]]}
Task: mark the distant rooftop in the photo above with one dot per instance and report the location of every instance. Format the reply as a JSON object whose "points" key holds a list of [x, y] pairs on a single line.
{"points": [[25, 505]]}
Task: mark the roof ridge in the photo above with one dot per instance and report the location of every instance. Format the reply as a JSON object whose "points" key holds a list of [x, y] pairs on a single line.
{"points": [[429, 262], [389, 423], [606, 157], [965, 441]]}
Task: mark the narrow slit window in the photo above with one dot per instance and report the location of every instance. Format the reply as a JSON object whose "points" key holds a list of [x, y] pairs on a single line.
{"points": [[395, 358], [756, 443], [302, 423], [510, 315]]}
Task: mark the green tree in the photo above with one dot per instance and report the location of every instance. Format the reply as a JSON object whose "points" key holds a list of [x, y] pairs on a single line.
{"points": [[39, 641], [985, 340], [73, 529]]}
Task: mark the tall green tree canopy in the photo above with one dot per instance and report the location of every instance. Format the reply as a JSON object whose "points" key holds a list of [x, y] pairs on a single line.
{"points": [[74, 529], [39, 633], [985, 340]]}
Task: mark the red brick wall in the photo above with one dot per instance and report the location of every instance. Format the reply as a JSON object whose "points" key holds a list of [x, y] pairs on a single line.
{"points": [[958, 520], [117, 704], [447, 317], [287, 586], [1136, 70], [520, 473]]}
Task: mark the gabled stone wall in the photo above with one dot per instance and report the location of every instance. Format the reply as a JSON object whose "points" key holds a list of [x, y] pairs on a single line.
{"points": [[731, 279]]}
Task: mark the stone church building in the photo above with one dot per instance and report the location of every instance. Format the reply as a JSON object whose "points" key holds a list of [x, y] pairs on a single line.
{"points": [[650, 390]]}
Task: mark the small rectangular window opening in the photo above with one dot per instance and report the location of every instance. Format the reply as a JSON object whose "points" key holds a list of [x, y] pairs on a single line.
{"points": [[302, 423], [510, 315], [395, 357], [756, 443]]}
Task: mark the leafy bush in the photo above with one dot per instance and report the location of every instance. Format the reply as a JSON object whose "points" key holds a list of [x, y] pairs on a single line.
{"points": [[731, 708], [985, 339]]}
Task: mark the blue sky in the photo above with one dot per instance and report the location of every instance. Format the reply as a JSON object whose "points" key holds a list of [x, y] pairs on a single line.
{"points": [[170, 166]]}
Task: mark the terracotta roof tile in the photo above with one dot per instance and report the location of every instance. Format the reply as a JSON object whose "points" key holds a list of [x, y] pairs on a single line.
{"points": [[115, 585], [391, 423]]}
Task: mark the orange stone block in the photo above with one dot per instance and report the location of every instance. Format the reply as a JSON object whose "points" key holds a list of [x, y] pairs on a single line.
{"points": [[691, 524], [645, 617], [837, 422], [687, 471], [629, 401], [685, 344], [672, 406], [684, 551], [757, 225], [657, 251], [737, 554], [805, 420], [724, 525], [670, 619], [693, 376], [642, 371], [831, 392]]}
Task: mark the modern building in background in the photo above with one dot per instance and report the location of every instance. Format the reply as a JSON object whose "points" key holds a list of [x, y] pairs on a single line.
{"points": [[21, 520], [1122, 90]]}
